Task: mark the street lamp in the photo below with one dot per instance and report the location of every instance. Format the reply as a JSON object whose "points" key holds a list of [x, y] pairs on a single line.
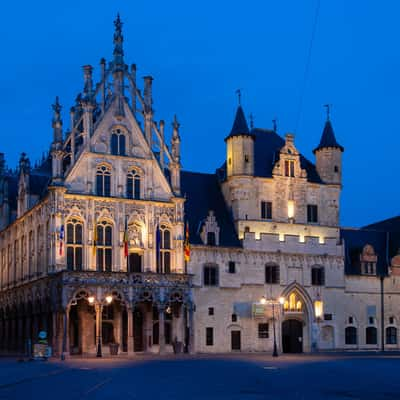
{"points": [[98, 307], [273, 302]]}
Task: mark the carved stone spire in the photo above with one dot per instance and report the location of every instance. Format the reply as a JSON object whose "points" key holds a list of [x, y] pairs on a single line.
{"points": [[176, 156], [118, 40], [57, 122]]}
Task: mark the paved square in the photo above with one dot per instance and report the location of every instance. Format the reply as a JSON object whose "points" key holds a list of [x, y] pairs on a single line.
{"points": [[205, 377]]}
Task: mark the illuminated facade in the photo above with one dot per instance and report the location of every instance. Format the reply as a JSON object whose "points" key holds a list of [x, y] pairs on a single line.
{"points": [[92, 239]]}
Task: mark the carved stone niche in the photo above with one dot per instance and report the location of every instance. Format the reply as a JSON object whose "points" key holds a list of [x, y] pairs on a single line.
{"points": [[210, 226], [135, 236]]}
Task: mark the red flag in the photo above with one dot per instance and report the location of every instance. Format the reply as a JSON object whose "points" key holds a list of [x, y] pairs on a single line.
{"points": [[126, 239], [187, 244]]}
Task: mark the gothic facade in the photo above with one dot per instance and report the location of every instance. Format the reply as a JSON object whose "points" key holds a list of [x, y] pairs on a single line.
{"points": [[92, 239]]}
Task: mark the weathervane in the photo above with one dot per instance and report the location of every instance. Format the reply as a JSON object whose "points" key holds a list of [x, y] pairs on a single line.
{"points": [[239, 94], [274, 124], [328, 111]]}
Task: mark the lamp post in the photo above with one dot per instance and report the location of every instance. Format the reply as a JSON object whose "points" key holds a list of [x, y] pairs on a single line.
{"points": [[273, 302], [99, 307]]}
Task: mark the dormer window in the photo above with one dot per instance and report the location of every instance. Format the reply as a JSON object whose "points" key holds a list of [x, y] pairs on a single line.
{"points": [[103, 180], [133, 185], [289, 168], [368, 260], [118, 143], [210, 230]]}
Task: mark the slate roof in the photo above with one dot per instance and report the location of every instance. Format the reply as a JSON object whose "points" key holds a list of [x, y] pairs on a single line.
{"points": [[328, 138], [354, 242], [267, 146], [203, 193], [240, 126]]}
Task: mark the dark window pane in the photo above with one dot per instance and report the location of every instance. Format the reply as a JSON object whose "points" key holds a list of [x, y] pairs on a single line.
{"points": [[371, 335], [263, 331], [137, 188], [100, 237], [122, 145], [291, 168], [107, 185], [99, 185], [232, 267], [129, 187], [272, 274], [209, 336], [108, 260], [114, 144], [211, 238], [167, 332], [351, 335], [108, 241], [100, 261], [70, 233], [78, 234], [155, 333], [391, 335], [78, 258], [167, 240], [167, 262], [286, 168], [70, 258]]}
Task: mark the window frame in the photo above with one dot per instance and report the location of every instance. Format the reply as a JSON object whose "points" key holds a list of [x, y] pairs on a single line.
{"points": [[104, 247], [371, 335], [118, 142], [263, 330], [351, 335], [74, 245], [266, 210], [317, 275], [209, 336], [272, 273], [133, 184], [210, 279], [391, 333], [312, 213], [103, 180]]}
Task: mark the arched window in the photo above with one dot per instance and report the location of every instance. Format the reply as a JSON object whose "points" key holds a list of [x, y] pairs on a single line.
{"points": [[294, 304], [371, 335], [103, 180], [74, 245], [391, 335], [351, 335], [104, 246], [133, 185], [118, 143], [164, 261], [317, 276], [271, 273]]}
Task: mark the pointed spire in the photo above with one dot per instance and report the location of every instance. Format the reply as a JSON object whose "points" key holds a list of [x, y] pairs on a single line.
{"points": [[240, 126], [328, 138], [118, 40]]}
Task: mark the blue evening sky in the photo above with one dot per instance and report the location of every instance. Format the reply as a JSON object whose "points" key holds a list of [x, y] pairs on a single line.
{"points": [[199, 53]]}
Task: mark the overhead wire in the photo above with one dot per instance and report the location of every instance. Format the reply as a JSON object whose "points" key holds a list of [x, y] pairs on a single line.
{"points": [[308, 64]]}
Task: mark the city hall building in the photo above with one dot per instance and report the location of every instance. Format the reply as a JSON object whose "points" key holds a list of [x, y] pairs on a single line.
{"points": [[107, 241]]}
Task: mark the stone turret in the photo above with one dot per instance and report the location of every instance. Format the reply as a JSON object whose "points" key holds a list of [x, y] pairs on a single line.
{"points": [[328, 156], [176, 156], [240, 147], [57, 152]]}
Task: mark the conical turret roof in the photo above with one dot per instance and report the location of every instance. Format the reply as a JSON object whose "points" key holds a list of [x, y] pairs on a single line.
{"points": [[240, 126], [328, 138]]}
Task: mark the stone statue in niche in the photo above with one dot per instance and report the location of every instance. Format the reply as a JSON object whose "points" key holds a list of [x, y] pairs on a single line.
{"points": [[135, 235]]}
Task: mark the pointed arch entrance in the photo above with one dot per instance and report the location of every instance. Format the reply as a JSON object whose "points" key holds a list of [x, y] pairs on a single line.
{"points": [[296, 326]]}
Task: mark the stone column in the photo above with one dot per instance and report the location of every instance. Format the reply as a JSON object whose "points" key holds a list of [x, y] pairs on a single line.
{"points": [[130, 343], [161, 328], [66, 332], [54, 339], [6, 334], [99, 309], [20, 335], [28, 334], [191, 329]]}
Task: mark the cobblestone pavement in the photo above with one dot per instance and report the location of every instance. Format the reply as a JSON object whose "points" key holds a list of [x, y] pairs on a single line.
{"points": [[233, 376]]}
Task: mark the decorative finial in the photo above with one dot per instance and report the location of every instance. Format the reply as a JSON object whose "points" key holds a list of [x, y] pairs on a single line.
{"points": [[328, 111], [118, 39], [57, 108], [251, 118], [274, 125], [175, 124], [239, 95]]}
